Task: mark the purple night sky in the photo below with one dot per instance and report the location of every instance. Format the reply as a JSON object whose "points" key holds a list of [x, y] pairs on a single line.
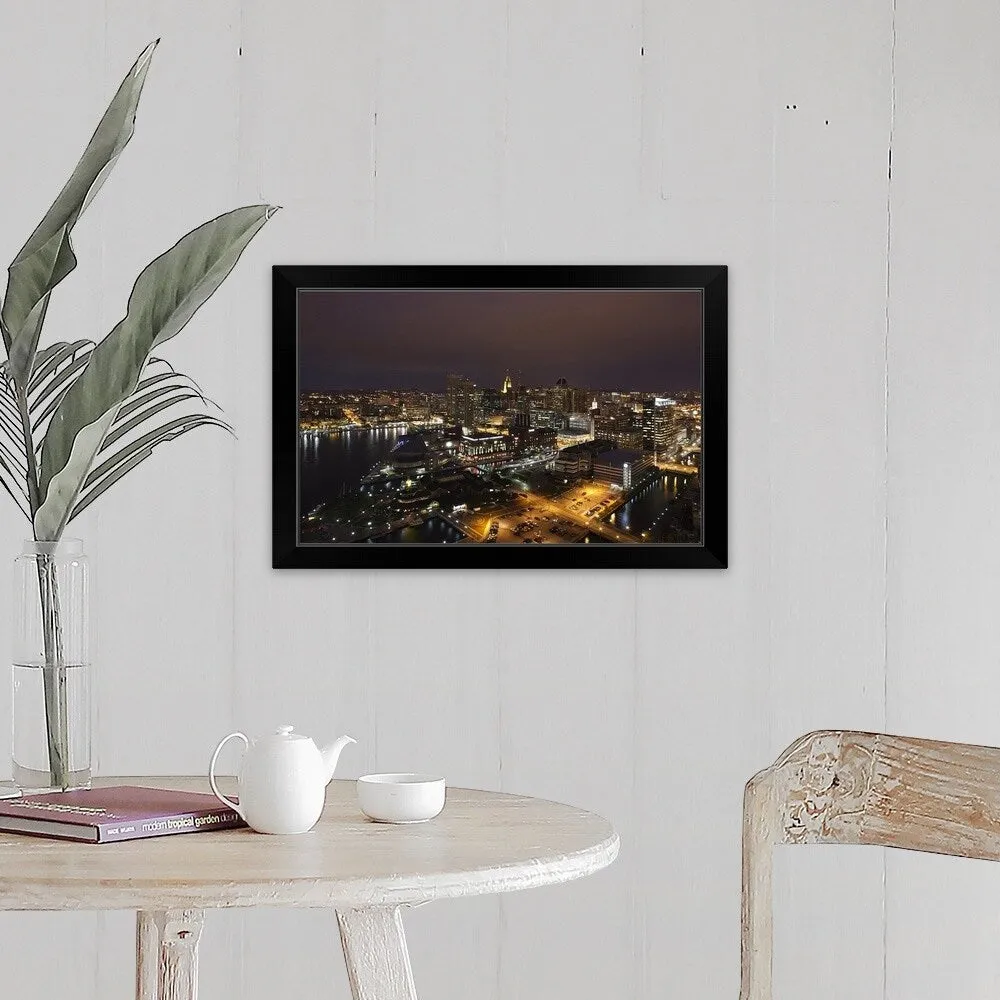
{"points": [[600, 339]]}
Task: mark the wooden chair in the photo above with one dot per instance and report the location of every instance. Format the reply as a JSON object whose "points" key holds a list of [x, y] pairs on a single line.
{"points": [[861, 788]]}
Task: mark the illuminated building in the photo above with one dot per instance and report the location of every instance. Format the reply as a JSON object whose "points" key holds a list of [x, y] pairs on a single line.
{"points": [[618, 424], [569, 438], [648, 424], [491, 403], [577, 400], [411, 454], [411, 495], [558, 397], [578, 459], [520, 416], [479, 445], [621, 467], [671, 432], [548, 418], [461, 400], [538, 441]]}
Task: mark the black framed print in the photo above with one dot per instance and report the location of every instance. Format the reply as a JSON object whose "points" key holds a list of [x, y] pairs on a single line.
{"points": [[532, 416]]}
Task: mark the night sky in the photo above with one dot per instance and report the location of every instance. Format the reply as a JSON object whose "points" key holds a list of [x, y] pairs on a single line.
{"points": [[378, 339]]}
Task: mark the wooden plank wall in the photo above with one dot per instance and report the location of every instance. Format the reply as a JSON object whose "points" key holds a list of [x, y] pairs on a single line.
{"points": [[864, 356]]}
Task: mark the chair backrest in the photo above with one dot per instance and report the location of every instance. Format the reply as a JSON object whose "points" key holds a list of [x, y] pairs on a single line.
{"points": [[834, 787]]}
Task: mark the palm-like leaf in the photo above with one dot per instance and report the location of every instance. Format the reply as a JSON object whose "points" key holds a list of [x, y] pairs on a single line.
{"points": [[165, 296], [133, 434], [13, 464], [48, 255], [51, 378], [47, 361], [135, 452]]}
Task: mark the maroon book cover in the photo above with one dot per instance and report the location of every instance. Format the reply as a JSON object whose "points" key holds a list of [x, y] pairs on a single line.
{"points": [[120, 812]]}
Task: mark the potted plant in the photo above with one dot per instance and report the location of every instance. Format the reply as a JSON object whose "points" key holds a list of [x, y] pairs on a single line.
{"points": [[75, 417]]}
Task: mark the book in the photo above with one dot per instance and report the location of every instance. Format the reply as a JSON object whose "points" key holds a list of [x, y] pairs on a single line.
{"points": [[119, 812]]}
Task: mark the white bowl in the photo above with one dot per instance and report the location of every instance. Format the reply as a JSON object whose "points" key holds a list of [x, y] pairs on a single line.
{"points": [[401, 798]]}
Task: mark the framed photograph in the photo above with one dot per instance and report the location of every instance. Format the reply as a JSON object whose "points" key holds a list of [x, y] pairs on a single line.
{"points": [[432, 416]]}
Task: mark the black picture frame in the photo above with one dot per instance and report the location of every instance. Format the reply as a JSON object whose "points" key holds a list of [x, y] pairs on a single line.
{"points": [[289, 280]]}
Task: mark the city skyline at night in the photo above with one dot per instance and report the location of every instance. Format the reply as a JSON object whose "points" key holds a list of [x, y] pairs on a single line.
{"points": [[487, 409], [500, 416]]}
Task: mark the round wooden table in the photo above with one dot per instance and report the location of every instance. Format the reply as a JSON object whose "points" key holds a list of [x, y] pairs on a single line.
{"points": [[483, 842]]}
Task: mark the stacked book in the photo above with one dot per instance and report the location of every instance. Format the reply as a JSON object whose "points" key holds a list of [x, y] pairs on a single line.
{"points": [[119, 812]]}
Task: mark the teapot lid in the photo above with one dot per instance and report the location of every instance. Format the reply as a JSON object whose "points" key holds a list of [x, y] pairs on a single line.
{"points": [[286, 733]]}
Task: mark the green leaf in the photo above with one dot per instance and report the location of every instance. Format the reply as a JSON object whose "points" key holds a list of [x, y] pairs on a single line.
{"points": [[52, 392], [52, 374], [120, 428], [136, 452], [12, 443], [13, 463], [47, 361], [165, 296], [10, 417], [12, 482], [48, 255], [12, 449], [174, 383]]}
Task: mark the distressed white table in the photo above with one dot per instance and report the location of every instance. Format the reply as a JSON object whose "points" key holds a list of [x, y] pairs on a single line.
{"points": [[483, 842]]}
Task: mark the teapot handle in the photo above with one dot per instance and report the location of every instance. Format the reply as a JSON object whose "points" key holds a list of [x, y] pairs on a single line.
{"points": [[211, 774]]}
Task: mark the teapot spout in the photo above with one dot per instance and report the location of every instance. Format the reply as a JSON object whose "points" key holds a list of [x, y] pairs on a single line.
{"points": [[331, 754]]}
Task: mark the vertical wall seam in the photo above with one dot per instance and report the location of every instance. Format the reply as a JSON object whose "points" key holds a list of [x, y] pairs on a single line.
{"points": [[379, 23], [885, 461], [234, 471], [373, 157], [498, 662], [95, 604], [504, 181], [501, 925], [637, 931], [771, 424], [504, 171], [238, 927], [643, 173], [98, 924], [640, 975]]}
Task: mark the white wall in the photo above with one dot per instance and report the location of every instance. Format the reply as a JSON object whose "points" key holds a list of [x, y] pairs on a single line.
{"points": [[863, 469]]}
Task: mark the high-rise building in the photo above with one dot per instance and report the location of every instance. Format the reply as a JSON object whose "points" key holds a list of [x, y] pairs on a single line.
{"points": [[548, 418], [577, 400], [670, 433], [648, 424], [492, 402], [619, 424], [461, 400]]}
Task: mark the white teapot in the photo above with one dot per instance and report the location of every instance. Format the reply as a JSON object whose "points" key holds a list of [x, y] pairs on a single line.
{"points": [[282, 781]]}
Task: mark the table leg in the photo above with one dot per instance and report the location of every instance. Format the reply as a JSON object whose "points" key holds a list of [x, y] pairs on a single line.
{"points": [[147, 955], [166, 965], [378, 965]]}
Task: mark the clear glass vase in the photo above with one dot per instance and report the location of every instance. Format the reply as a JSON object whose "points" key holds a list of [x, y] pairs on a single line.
{"points": [[51, 667]]}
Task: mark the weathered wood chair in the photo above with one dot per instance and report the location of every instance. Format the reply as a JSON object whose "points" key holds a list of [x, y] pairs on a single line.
{"points": [[861, 788]]}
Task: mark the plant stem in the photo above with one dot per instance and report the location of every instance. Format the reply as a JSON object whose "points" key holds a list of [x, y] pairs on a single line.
{"points": [[54, 670], [54, 674]]}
